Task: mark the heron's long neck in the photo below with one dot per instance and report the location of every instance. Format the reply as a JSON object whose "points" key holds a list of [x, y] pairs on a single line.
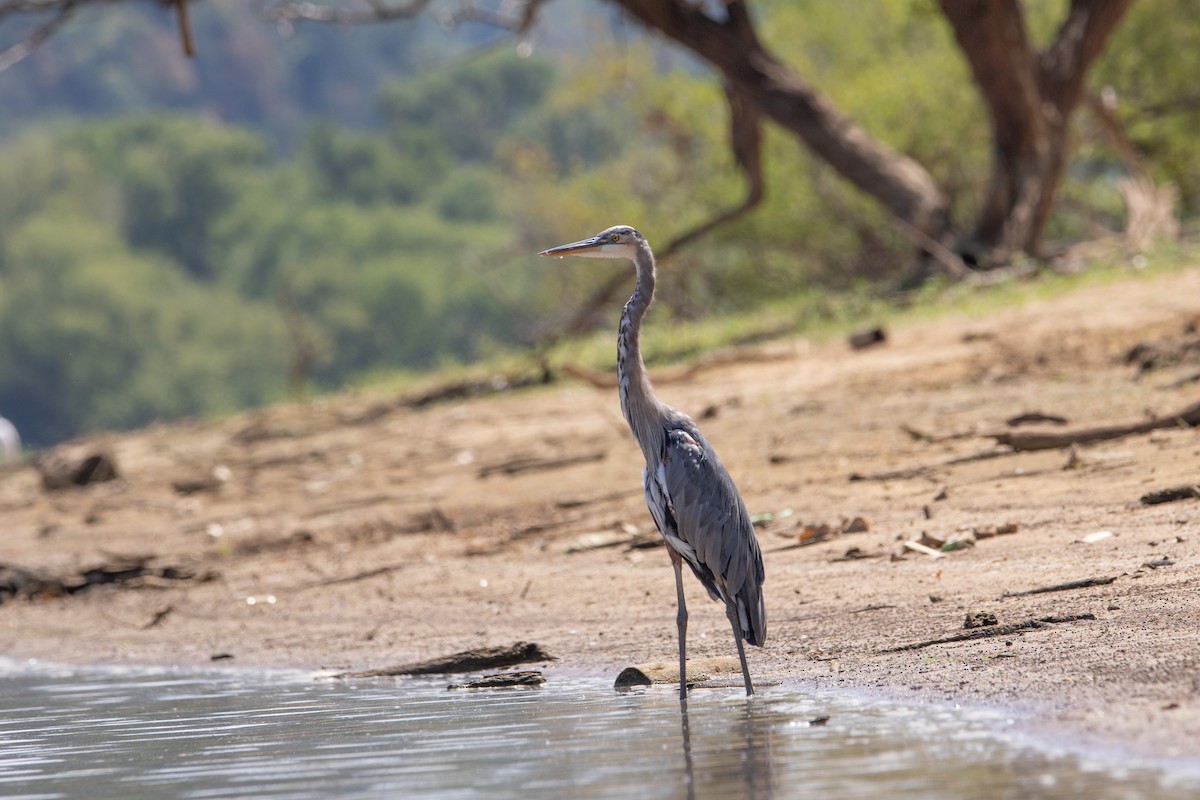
{"points": [[641, 408]]}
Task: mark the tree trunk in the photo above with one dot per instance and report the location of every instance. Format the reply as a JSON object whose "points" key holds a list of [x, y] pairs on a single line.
{"points": [[1030, 98]]}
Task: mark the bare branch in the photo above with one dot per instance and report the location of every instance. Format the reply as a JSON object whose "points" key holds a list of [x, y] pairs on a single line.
{"points": [[1102, 105], [18, 52], [745, 123], [36, 8], [518, 20], [376, 11], [582, 318], [950, 261], [902, 185], [185, 29], [12, 7], [1084, 33], [517, 16]]}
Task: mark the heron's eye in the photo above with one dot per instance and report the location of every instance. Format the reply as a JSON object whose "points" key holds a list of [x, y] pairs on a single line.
{"points": [[616, 237]]}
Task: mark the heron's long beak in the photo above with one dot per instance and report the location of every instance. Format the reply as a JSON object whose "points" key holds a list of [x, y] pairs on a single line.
{"points": [[581, 248]]}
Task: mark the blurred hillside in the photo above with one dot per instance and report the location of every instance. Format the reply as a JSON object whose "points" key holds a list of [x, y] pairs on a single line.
{"points": [[184, 237], [248, 71]]}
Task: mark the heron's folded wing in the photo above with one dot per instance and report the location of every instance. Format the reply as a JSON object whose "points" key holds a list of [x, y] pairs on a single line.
{"points": [[709, 512]]}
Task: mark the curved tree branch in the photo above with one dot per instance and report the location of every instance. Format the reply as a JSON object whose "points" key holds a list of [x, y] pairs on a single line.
{"points": [[18, 52], [732, 46], [1064, 66], [519, 20], [185, 29], [374, 11], [745, 128]]}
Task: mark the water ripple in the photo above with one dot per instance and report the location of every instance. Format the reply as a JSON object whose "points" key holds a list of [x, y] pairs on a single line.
{"points": [[68, 733]]}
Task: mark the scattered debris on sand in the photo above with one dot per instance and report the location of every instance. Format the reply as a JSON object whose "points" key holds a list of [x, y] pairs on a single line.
{"points": [[69, 467], [980, 619], [867, 337]]}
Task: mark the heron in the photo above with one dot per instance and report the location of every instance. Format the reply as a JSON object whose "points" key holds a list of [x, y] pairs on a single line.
{"points": [[693, 500]]}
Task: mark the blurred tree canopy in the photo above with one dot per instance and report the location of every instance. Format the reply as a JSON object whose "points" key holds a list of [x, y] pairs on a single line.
{"points": [[1029, 92], [146, 258], [161, 246]]}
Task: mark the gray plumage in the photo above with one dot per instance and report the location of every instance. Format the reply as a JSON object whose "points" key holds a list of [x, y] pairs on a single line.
{"points": [[694, 502]]}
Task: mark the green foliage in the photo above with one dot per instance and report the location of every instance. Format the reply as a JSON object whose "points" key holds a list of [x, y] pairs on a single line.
{"points": [[468, 196], [92, 335], [467, 108], [366, 169], [124, 58], [176, 177], [152, 266], [155, 266]]}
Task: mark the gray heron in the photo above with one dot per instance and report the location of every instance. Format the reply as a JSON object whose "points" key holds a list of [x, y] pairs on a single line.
{"points": [[694, 502]]}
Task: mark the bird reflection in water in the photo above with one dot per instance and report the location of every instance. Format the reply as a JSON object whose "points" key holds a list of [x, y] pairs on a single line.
{"points": [[726, 771]]}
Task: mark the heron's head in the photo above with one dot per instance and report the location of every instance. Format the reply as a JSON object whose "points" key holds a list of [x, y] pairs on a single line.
{"points": [[619, 241]]}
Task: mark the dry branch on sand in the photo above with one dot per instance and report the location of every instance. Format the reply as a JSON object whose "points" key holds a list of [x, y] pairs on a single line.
{"points": [[990, 631], [1085, 583], [131, 571], [1170, 495], [1014, 442], [1027, 441], [521, 464]]}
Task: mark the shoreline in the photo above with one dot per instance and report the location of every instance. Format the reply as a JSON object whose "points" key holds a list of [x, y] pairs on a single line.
{"points": [[1023, 728]]}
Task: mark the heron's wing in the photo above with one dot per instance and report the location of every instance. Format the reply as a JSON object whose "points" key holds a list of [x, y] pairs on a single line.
{"points": [[708, 511]]}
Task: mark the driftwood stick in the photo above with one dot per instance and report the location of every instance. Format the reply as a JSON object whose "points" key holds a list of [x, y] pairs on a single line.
{"points": [[1064, 587], [467, 661], [919, 435], [1170, 495], [358, 576], [518, 465], [503, 680], [1026, 441], [917, 472]]}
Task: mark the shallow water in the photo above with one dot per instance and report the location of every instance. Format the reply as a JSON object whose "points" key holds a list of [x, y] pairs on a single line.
{"points": [[103, 733]]}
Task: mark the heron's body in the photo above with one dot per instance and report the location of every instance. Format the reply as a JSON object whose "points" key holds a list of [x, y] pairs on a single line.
{"points": [[691, 497]]}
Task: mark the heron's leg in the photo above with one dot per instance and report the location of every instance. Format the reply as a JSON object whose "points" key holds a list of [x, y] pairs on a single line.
{"points": [[731, 612], [680, 621]]}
